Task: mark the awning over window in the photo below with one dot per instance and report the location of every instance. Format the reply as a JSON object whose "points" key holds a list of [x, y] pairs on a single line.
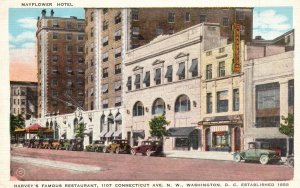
{"points": [[109, 134], [128, 84], [88, 131], [194, 66], [117, 133], [157, 74], [138, 134], [118, 85], [169, 72], [180, 131], [147, 78], [181, 69], [104, 88], [137, 79], [103, 133], [118, 117]]}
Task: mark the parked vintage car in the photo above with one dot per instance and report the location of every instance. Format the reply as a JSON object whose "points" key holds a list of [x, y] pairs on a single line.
{"points": [[258, 151], [96, 146], [34, 143], [76, 144], [64, 144], [148, 148], [117, 146], [290, 160], [45, 143], [54, 144]]}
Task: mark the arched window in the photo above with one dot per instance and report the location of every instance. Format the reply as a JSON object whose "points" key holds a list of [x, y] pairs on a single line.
{"points": [[75, 125], [138, 109], [182, 104], [118, 120], [158, 106], [47, 124], [102, 121], [51, 125], [55, 130]]}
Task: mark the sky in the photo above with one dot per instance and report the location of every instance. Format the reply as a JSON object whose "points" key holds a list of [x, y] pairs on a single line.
{"points": [[268, 22]]}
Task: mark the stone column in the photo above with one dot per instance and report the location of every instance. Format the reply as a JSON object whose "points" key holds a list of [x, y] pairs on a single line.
{"points": [[284, 107]]}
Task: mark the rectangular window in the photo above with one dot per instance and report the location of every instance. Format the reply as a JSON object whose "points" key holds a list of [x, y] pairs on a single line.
{"points": [[268, 105], [105, 103], [69, 25], [105, 25], [80, 26], [202, 18], [137, 81], [171, 17], [147, 79], [118, 18], [222, 101], [105, 10], [54, 82], [69, 36], [221, 70], [118, 101], [80, 71], [181, 71], [54, 69], [54, 35], [104, 88], [291, 92], [92, 17], [118, 52], [55, 23], [159, 31], [135, 14], [80, 60], [169, 73], [54, 48], [208, 103], [23, 101], [209, 53], [118, 35], [135, 31], [69, 48], [225, 21], [209, 71], [240, 15], [118, 69], [129, 84], [80, 37], [80, 49], [118, 85], [105, 73], [236, 100], [92, 32], [187, 16], [105, 57], [194, 68], [221, 50], [54, 93], [157, 77], [105, 41], [69, 60]]}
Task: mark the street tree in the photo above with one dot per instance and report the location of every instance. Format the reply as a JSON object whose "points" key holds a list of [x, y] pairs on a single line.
{"points": [[287, 127], [80, 131], [16, 122], [158, 126]]}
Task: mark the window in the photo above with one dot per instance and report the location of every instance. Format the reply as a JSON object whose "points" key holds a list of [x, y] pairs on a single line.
{"points": [[105, 57], [54, 48], [105, 25], [23, 101], [222, 101], [137, 81], [69, 36], [182, 104], [236, 100], [80, 26], [158, 106], [268, 105], [92, 32], [105, 41], [208, 103], [242, 30], [182, 143], [209, 71], [118, 18], [69, 70], [135, 14], [118, 35], [54, 82], [80, 60], [118, 69], [221, 50], [54, 59], [171, 17], [291, 92], [54, 93], [92, 78], [157, 77], [54, 35], [118, 101], [221, 71], [187, 16], [54, 23], [105, 103], [80, 37], [135, 31], [69, 25], [240, 15], [92, 105], [225, 21], [118, 85], [181, 71], [146, 80], [69, 60], [118, 52], [80, 93], [202, 18], [69, 48], [104, 88], [159, 31], [169, 73], [92, 62], [92, 16], [129, 84], [54, 69], [80, 71], [105, 73], [194, 68], [80, 49], [138, 109], [69, 83], [80, 82], [105, 10]]}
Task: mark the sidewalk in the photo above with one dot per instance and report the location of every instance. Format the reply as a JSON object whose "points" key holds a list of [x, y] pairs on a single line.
{"points": [[211, 155]]}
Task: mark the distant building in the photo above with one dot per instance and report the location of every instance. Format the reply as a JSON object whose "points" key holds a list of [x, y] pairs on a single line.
{"points": [[60, 56], [23, 96]]}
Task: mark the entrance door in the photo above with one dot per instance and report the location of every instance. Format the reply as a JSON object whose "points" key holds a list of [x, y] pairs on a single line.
{"points": [[207, 139], [237, 139], [194, 137]]}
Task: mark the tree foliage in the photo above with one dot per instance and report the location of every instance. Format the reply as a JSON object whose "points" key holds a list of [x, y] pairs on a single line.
{"points": [[80, 131], [16, 122], [158, 126], [287, 127]]}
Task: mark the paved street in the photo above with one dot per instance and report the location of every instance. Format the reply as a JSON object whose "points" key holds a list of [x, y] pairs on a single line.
{"points": [[43, 164]]}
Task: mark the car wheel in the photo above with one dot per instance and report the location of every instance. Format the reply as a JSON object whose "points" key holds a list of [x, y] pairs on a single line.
{"points": [[133, 151], [148, 152], [290, 162], [237, 158], [117, 150], [264, 159]]}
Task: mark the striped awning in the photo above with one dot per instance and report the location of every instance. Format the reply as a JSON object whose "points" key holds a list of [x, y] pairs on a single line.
{"points": [[103, 133], [220, 128]]}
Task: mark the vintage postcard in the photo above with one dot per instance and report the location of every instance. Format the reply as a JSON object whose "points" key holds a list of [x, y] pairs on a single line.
{"points": [[161, 94]]}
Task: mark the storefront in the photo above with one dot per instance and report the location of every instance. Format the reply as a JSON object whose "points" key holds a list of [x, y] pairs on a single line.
{"points": [[185, 138], [222, 133]]}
